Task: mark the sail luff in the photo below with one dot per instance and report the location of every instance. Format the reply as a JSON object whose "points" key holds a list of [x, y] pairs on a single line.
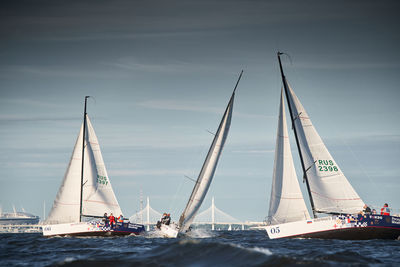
{"points": [[296, 136], [286, 201]]}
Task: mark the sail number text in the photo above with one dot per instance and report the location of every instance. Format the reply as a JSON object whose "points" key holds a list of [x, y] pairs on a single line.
{"points": [[275, 230], [102, 179], [327, 166]]}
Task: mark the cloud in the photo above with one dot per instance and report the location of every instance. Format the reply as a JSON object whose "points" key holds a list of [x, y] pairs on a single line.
{"points": [[19, 118], [347, 65], [30, 102], [149, 67], [179, 105], [150, 172], [166, 104], [57, 70], [254, 151], [90, 36]]}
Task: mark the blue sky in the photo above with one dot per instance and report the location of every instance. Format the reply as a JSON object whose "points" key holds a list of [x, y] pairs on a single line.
{"points": [[161, 73]]}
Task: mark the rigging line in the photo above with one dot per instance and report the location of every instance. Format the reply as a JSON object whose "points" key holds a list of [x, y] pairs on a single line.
{"points": [[173, 203], [199, 157], [304, 175], [174, 197], [191, 179], [210, 132], [92, 97], [286, 54], [362, 169]]}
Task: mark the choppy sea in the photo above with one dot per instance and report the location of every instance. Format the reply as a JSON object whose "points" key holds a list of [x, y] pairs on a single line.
{"points": [[205, 248]]}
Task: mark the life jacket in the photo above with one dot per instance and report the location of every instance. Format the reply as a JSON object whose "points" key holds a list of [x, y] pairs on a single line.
{"points": [[112, 219], [119, 219], [385, 211]]}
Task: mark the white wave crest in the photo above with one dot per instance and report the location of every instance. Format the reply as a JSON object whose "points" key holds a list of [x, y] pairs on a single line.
{"points": [[262, 250], [200, 233]]}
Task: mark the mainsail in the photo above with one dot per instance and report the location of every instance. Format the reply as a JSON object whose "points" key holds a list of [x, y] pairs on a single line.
{"points": [[286, 201], [331, 191], [98, 195], [207, 171]]}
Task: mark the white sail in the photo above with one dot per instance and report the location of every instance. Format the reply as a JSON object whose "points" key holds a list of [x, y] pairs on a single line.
{"points": [[331, 191], [98, 196], [207, 172], [286, 202]]}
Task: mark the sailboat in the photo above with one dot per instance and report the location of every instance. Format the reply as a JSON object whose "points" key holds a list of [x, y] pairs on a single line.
{"points": [[86, 194], [205, 177], [329, 191]]}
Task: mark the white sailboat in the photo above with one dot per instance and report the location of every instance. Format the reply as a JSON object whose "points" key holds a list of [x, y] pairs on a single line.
{"points": [[206, 175], [329, 191], [86, 193]]}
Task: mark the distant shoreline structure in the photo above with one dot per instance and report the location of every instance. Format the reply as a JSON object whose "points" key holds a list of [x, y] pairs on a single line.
{"points": [[18, 218]]}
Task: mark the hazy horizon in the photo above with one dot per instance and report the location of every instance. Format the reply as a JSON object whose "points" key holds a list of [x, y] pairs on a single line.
{"points": [[161, 74]]}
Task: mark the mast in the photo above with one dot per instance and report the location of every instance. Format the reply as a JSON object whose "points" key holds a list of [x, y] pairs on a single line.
{"points": [[83, 157], [295, 134]]}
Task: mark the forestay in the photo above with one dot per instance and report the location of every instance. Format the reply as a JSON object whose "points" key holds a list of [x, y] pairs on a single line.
{"points": [[286, 201], [207, 171], [330, 190], [98, 195]]}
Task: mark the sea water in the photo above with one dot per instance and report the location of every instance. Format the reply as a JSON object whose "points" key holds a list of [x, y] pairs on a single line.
{"points": [[204, 248]]}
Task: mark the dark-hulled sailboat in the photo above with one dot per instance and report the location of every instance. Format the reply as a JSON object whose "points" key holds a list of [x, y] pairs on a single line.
{"points": [[329, 191], [86, 194]]}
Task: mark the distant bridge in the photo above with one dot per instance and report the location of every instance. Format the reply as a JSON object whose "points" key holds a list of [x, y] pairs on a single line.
{"points": [[211, 216]]}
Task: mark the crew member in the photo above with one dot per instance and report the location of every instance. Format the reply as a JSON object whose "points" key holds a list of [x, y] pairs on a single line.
{"points": [[161, 221], [112, 220], [105, 219], [164, 218], [366, 210], [120, 219], [168, 219], [385, 210]]}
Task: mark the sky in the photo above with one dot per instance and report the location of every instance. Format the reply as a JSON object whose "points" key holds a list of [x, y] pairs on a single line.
{"points": [[160, 74]]}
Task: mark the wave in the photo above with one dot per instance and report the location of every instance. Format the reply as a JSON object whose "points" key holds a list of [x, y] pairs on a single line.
{"points": [[217, 248], [188, 252]]}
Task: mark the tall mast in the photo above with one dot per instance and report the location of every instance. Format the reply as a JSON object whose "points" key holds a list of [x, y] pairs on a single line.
{"points": [[83, 157], [295, 134]]}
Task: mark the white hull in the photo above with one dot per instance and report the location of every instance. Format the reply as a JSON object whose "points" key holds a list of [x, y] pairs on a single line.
{"points": [[70, 229], [170, 231], [351, 227], [293, 229]]}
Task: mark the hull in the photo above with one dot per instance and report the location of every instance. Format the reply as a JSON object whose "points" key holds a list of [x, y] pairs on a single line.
{"points": [[361, 227], [169, 231], [93, 228]]}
